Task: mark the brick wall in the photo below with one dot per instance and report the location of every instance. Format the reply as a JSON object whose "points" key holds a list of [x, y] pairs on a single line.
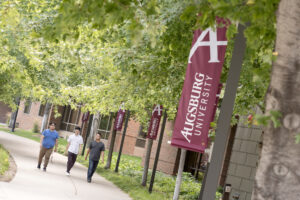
{"points": [[27, 121], [129, 147], [5, 112], [244, 160], [130, 138]]}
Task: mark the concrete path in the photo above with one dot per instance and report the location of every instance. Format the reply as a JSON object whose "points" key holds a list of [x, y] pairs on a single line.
{"points": [[33, 184]]}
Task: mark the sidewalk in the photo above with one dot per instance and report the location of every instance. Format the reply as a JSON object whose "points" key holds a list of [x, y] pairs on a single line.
{"points": [[33, 184]]}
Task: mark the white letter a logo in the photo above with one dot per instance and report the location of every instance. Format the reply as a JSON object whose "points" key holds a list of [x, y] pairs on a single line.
{"points": [[213, 43]]}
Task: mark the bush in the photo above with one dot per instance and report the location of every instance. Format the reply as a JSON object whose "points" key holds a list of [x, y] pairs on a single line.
{"points": [[36, 128], [7, 121]]}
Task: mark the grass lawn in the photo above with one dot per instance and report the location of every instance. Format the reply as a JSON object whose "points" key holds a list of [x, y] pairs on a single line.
{"points": [[4, 160], [130, 175]]}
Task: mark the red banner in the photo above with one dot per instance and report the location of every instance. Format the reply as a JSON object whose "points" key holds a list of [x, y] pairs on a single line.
{"points": [[119, 120], [197, 103], [85, 116], [154, 122]]}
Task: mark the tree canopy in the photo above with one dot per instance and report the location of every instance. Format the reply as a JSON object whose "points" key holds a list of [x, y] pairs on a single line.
{"points": [[101, 53]]}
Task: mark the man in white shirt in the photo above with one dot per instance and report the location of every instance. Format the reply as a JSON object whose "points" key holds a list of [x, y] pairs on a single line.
{"points": [[75, 142]]}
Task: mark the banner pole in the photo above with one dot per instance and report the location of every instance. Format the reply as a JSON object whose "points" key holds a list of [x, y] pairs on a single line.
{"points": [[179, 174], [213, 172], [122, 141], [158, 151]]}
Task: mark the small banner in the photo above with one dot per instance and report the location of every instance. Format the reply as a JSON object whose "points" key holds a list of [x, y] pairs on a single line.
{"points": [[120, 118], [197, 102], [85, 116], [154, 122]]}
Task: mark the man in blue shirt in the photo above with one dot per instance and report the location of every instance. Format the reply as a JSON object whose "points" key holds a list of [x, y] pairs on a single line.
{"points": [[49, 138]]}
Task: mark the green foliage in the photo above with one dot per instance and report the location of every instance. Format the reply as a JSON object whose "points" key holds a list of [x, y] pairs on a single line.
{"points": [[36, 128], [148, 44], [273, 116], [23, 133], [4, 160], [297, 137], [7, 121], [102, 53]]}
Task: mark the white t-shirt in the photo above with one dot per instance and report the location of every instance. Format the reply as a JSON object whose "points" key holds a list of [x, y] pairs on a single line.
{"points": [[75, 142]]}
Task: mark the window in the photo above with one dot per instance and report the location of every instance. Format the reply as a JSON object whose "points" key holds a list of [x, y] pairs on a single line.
{"points": [[141, 139], [105, 122], [70, 118], [42, 110], [27, 106]]}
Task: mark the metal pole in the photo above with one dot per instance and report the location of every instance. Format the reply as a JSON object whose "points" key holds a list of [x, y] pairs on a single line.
{"points": [[122, 141], [158, 151], [87, 133], [204, 181], [213, 172], [147, 161], [179, 174], [16, 115]]}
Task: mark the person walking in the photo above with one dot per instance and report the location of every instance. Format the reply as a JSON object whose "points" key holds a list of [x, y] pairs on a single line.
{"points": [[95, 149], [75, 142], [49, 139]]}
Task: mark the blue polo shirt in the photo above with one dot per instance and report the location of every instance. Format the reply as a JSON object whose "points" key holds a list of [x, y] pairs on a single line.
{"points": [[49, 138]]}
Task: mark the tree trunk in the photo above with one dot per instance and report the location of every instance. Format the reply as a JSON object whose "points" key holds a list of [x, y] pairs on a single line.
{"points": [[13, 116], [111, 149], [278, 174], [45, 117], [147, 162], [12, 119], [94, 128]]}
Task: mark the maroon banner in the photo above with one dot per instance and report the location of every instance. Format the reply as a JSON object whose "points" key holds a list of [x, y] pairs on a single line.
{"points": [[85, 116], [119, 120], [196, 105], [154, 122]]}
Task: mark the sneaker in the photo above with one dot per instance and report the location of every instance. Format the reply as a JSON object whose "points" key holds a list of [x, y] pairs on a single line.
{"points": [[67, 173], [39, 166], [89, 180], [44, 169]]}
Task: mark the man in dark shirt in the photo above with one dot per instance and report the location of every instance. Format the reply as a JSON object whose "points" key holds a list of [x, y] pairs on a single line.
{"points": [[96, 148]]}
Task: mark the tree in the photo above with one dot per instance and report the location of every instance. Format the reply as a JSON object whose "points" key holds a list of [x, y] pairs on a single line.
{"points": [[277, 176], [107, 52]]}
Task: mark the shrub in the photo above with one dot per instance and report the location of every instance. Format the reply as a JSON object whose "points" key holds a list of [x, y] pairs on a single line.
{"points": [[36, 128], [7, 121]]}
